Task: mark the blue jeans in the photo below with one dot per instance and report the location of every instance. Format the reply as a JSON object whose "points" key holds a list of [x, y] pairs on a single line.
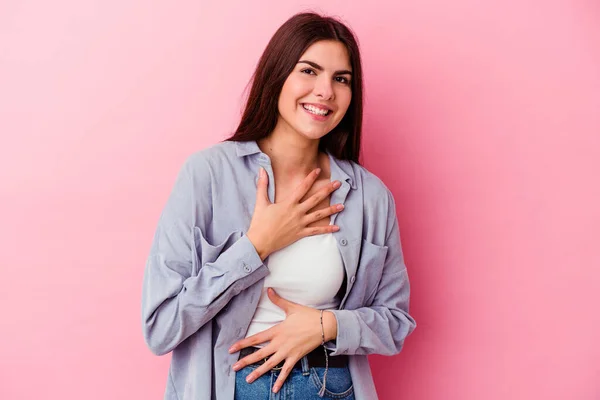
{"points": [[301, 384]]}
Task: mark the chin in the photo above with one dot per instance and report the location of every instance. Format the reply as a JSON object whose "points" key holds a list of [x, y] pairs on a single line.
{"points": [[313, 135], [312, 132]]}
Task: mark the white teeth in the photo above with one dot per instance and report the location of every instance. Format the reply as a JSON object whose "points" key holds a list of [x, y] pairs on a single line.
{"points": [[315, 110]]}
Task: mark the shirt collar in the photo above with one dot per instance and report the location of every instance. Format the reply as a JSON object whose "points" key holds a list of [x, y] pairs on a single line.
{"points": [[340, 169], [246, 148]]}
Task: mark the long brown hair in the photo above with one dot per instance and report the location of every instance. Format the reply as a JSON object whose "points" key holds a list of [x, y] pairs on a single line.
{"points": [[278, 60]]}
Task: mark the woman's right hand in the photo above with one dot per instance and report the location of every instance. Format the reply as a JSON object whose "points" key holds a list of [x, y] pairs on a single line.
{"points": [[275, 226]]}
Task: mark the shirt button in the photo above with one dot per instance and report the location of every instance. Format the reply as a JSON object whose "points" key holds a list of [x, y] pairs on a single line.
{"points": [[352, 279], [343, 242], [246, 268]]}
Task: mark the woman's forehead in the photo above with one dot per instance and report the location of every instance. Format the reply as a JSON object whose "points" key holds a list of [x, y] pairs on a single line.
{"points": [[329, 54]]}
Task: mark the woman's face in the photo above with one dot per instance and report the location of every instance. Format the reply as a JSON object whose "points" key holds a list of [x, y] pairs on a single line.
{"points": [[316, 95]]}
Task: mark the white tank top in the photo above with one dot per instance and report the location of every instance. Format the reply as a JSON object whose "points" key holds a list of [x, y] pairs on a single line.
{"points": [[310, 272]]}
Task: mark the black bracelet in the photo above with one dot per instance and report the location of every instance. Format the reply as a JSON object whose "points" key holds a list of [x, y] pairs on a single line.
{"points": [[322, 391]]}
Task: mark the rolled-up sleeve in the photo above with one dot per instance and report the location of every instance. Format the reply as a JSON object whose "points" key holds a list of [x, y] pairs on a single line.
{"points": [[382, 327], [186, 280]]}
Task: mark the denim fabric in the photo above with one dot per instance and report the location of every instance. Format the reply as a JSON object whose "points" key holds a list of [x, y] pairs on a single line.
{"points": [[203, 277], [301, 384]]}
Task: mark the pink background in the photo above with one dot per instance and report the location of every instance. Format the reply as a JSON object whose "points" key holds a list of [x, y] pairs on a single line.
{"points": [[482, 117]]}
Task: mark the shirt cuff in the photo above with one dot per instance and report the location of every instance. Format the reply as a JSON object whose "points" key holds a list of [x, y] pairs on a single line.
{"points": [[242, 258], [348, 332]]}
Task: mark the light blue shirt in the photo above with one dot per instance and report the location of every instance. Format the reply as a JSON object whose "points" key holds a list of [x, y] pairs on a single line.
{"points": [[203, 277]]}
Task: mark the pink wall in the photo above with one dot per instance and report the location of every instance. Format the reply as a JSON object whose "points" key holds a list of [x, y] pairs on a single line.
{"points": [[482, 117]]}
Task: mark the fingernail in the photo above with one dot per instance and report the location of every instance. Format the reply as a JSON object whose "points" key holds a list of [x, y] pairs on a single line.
{"points": [[236, 366], [337, 184], [336, 228], [275, 389], [318, 171], [262, 172], [340, 207], [249, 379], [232, 349]]}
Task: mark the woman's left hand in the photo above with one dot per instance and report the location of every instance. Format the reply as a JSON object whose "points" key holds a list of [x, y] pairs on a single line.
{"points": [[290, 340]]}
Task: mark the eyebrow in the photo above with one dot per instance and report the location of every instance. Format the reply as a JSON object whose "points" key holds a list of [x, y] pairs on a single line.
{"points": [[317, 66]]}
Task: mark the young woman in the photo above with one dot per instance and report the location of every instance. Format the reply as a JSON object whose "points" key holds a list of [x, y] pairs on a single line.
{"points": [[276, 267]]}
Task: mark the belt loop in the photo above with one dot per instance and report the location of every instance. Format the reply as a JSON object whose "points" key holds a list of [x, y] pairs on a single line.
{"points": [[305, 366]]}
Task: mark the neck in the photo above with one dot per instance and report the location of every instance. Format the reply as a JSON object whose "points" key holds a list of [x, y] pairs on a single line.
{"points": [[291, 155]]}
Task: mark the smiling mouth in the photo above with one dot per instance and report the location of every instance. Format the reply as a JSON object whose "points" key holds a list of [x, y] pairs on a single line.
{"points": [[316, 110]]}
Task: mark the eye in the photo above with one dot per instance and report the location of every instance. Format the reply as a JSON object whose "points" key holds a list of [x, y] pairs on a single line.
{"points": [[342, 79], [308, 71]]}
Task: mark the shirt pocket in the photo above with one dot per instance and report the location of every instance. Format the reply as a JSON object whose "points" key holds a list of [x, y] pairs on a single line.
{"points": [[369, 272], [206, 252]]}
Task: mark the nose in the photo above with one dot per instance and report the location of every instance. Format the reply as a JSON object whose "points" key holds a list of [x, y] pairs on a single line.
{"points": [[323, 87]]}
